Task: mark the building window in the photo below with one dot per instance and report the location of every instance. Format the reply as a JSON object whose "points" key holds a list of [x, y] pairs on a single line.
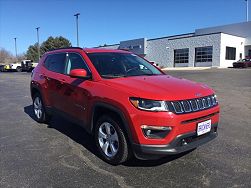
{"points": [[203, 54], [230, 53], [249, 53], [181, 55], [240, 55]]}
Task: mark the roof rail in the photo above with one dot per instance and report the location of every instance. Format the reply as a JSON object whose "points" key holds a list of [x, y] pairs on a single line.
{"points": [[66, 48], [124, 49]]}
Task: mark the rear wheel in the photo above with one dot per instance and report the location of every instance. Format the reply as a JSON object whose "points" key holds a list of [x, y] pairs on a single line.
{"points": [[111, 140], [39, 110]]}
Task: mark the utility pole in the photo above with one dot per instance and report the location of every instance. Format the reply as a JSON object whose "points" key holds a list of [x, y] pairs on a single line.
{"points": [[15, 39], [247, 9], [38, 45], [76, 15]]}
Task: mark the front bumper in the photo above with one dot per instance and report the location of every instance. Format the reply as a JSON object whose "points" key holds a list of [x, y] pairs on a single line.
{"points": [[180, 144]]}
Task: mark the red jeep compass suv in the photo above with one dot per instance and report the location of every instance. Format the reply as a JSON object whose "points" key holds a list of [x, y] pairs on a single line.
{"points": [[125, 102]]}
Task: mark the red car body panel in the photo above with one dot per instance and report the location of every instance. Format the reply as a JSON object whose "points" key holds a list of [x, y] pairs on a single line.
{"points": [[78, 98], [166, 87], [242, 64]]}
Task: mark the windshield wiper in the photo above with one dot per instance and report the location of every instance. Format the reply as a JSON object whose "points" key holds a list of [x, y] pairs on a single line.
{"points": [[147, 74], [112, 76]]}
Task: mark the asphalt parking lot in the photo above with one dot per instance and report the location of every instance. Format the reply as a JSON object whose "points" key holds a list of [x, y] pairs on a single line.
{"points": [[62, 154]]}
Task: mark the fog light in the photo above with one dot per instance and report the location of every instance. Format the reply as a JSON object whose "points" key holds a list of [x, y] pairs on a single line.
{"points": [[183, 142], [156, 132], [148, 132]]}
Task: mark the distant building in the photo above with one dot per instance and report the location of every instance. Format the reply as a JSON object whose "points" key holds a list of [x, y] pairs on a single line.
{"points": [[208, 47]]}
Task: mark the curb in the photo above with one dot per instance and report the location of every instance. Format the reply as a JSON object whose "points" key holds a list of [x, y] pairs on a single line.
{"points": [[188, 68]]}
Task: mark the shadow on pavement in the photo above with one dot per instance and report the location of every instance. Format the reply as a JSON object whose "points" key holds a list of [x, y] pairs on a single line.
{"points": [[151, 163], [73, 131], [79, 135]]}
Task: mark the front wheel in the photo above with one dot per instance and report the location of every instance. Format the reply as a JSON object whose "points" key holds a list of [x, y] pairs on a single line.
{"points": [[111, 140]]}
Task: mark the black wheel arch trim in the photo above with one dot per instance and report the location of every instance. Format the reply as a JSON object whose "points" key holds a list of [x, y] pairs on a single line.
{"points": [[34, 86], [126, 124]]}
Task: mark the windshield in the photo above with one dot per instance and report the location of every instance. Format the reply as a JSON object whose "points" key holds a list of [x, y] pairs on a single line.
{"points": [[244, 60], [113, 65]]}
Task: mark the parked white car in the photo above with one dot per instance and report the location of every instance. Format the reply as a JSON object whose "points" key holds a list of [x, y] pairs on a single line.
{"points": [[15, 66]]}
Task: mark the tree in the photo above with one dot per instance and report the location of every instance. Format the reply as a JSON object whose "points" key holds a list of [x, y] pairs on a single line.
{"points": [[32, 52], [6, 56], [21, 57], [54, 43], [50, 44]]}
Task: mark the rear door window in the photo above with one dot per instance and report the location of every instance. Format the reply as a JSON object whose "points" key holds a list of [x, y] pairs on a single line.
{"points": [[56, 63]]}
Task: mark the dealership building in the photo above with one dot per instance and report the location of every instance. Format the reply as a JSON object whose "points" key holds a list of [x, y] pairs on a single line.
{"points": [[207, 47]]}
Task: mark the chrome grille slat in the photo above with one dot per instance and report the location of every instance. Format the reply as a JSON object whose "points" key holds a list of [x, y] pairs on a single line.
{"points": [[200, 104], [177, 107], [209, 101], [193, 105], [186, 106], [205, 102]]}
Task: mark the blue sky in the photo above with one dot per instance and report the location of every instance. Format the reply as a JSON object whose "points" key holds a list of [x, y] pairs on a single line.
{"points": [[110, 21]]}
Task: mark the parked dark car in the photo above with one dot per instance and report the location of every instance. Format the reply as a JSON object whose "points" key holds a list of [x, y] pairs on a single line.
{"points": [[28, 65], [2, 68], [244, 63]]}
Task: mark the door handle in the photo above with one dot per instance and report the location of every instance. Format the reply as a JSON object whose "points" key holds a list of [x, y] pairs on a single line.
{"points": [[62, 81], [42, 76]]}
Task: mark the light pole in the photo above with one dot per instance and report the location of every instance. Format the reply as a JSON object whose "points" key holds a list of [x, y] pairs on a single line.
{"points": [[76, 15], [15, 39], [247, 9], [38, 46]]}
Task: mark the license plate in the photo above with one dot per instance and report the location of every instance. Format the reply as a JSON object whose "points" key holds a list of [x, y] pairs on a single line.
{"points": [[204, 127]]}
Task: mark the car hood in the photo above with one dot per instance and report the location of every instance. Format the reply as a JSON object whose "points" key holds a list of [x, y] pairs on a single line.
{"points": [[160, 87]]}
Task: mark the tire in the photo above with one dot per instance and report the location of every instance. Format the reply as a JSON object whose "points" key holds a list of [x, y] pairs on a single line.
{"points": [[39, 110], [19, 69], [110, 137], [29, 70]]}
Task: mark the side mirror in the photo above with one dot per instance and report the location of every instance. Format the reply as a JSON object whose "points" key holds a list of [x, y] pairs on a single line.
{"points": [[79, 73]]}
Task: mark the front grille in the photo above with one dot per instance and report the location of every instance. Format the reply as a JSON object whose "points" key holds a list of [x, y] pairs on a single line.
{"points": [[192, 105]]}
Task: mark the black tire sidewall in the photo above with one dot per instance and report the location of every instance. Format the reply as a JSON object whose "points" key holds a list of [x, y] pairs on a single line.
{"points": [[19, 69], [122, 154]]}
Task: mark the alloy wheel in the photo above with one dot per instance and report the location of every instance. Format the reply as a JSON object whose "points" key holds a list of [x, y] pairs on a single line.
{"points": [[108, 139], [38, 109]]}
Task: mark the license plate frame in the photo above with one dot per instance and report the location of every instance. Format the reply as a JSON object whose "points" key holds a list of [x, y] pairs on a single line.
{"points": [[204, 127]]}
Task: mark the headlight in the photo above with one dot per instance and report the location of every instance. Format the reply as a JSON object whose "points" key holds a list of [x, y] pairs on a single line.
{"points": [[149, 105]]}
